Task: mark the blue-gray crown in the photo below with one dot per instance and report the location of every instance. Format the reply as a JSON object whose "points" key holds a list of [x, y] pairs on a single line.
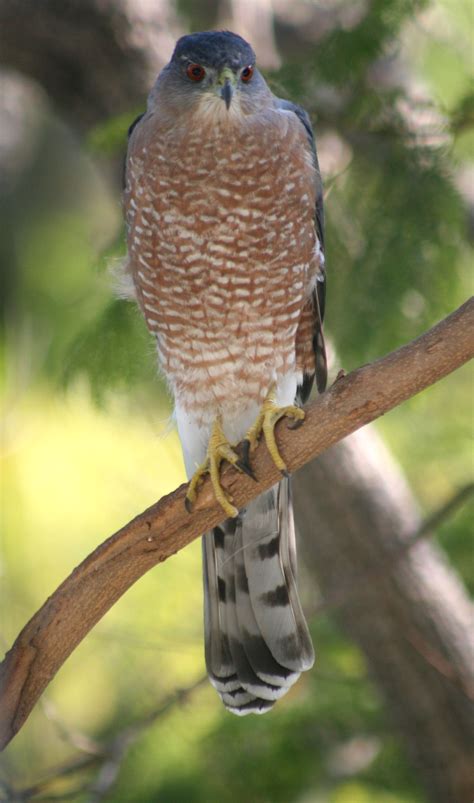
{"points": [[214, 49]]}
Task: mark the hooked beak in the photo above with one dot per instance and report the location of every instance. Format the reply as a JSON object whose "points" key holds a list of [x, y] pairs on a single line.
{"points": [[226, 83], [226, 93]]}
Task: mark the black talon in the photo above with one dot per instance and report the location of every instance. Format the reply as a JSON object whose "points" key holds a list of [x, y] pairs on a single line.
{"points": [[188, 504], [285, 473], [246, 452], [296, 424], [244, 462], [244, 466]]}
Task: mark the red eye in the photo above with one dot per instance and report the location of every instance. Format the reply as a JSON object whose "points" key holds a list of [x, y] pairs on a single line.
{"points": [[195, 72], [246, 74]]}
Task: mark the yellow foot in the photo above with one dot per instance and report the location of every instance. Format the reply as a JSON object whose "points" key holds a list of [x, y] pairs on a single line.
{"points": [[268, 416], [218, 449]]}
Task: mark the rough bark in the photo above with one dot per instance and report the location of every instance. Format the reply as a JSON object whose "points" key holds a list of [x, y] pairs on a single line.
{"points": [[78, 604], [400, 603]]}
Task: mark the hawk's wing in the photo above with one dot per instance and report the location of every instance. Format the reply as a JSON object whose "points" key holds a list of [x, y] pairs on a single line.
{"points": [[318, 364], [129, 134]]}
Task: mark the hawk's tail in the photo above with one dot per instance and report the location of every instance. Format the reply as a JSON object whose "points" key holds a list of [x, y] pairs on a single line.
{"points": [[257, 640]]}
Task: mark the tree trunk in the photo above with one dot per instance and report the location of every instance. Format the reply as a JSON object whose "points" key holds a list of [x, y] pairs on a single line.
{"points": [[401, 604]]}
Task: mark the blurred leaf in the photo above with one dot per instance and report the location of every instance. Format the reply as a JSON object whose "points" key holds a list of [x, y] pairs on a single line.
{"points": [[462, 117], [395, 227], [110, 137], [114, 352]]}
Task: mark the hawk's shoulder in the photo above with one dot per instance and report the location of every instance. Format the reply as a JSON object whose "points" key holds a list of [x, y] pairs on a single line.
{"points": [[319, 292]]}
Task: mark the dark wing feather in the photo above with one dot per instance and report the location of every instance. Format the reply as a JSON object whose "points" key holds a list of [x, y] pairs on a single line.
{"points": [[319, 293], [129, 134]]}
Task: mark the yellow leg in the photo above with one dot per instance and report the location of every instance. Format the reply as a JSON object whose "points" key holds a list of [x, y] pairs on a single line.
{"points": [[268, 416], [218, 449]]}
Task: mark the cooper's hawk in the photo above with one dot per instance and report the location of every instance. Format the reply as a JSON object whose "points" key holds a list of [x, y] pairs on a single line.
{"points": [[224, 211]]}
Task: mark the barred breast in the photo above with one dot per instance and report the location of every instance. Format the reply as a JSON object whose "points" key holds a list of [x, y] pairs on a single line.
{"points": [[223, 251]]}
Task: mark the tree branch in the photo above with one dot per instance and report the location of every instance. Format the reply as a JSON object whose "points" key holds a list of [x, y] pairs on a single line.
{"points": [[164, 528], [107, 757]]}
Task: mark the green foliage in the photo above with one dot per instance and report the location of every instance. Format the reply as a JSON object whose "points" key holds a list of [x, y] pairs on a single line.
{"points": [[452, 536], [462, 117], [102, 351], [109, 137], [344, 57], [341, 60], [396, 246], [303, 746]]}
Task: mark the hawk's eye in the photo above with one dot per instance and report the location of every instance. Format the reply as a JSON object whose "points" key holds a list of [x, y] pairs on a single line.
{"points": [[246, 74], [195, 72]]}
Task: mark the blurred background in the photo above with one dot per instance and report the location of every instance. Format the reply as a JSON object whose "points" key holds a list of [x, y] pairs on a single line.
{"points": [[384, 518]]}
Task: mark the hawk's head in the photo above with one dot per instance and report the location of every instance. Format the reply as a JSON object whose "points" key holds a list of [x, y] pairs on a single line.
{"points": [[214, 72]]}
